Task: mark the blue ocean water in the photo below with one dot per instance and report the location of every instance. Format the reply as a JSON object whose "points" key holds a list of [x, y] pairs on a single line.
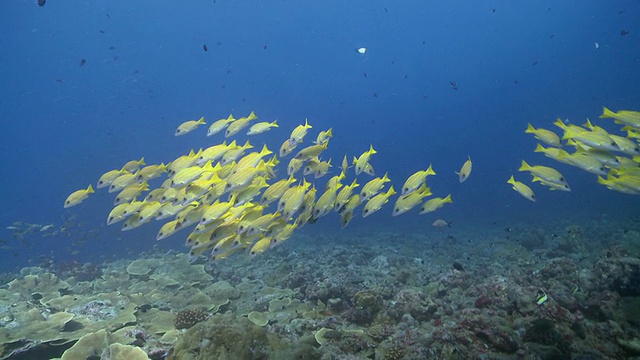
{"points": [[88, 86]]}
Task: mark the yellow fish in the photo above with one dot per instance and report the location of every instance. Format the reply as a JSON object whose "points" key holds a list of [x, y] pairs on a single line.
{"points": [[215, 152], [626, 146], [234, 154], [275, 190], [107, 178], [167, 230], [188, 126], [344, 195], [584, 162], [546, 136], [286, 148], [416, 180], [312, 166], [627, 184], [324, 136], [375, 203], [260, 246], [294, 200], [155, 194], [262, 223], [545, 173], [261, 127], [298, 134], [411, 200], [322, 169], [117, 214], [631, 118], [325, 203], [345, 164], [252, 159], [133, 165], [187, 175], [239, 124], [522, 189], [363, 160], [552, 153], [310, 152], [294, 166], [244, 176], [220, 125], [183, 162], [122, 182], [434, 204], [373, 187], [465, 171], [130, 192], [151, 172]]}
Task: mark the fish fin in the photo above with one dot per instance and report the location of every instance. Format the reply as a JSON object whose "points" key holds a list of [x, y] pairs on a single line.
{"points": [[606, 113]]}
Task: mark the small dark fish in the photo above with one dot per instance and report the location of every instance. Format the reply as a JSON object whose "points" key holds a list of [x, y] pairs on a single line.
{"points": [[385, 10], [624, 32], [265, 47], [136, 72], [458, 266], [375, 95], [493, 10], [515, 82], [83, 61], [406, 76], [41, 2], [425, 96], [535, 63], [101, 31], [108, 16], [60, 80], [454, 85], [552, 36], [112, 47], [365, 74], [620, 12], [204, 47]]}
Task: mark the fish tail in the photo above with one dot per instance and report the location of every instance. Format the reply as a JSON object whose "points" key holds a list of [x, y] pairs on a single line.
{"points": [[606, 113], [530, 129], [447, 199], [511, 180], [201, 120], [524, 166], [539, 148], [90, 189], [252, 116]]}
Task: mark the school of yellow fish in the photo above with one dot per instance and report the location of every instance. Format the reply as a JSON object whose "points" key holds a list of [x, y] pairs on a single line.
{"points": [[232, 199], [613, 158]]}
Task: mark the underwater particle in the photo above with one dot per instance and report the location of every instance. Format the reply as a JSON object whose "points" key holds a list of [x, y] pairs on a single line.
{"points": [[264, 47], [535, 63], [552, 35], [493, 10], [361, 50], [185, 319], [83, 61], [365, 74], [454, 84], [41, 2], [596, 45], [204, 47], [374, 94], [624, 32]]}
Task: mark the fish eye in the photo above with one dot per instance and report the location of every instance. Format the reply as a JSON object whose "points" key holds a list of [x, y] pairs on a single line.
{"points": [[110, 219], [561, 179], [366, 211]]}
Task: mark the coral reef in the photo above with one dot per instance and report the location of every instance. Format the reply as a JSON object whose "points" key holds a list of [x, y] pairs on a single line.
{"points": [[457, 300]]}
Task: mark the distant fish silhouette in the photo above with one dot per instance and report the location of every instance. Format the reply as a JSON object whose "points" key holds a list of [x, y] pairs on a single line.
{"points": [[41, 2]]}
